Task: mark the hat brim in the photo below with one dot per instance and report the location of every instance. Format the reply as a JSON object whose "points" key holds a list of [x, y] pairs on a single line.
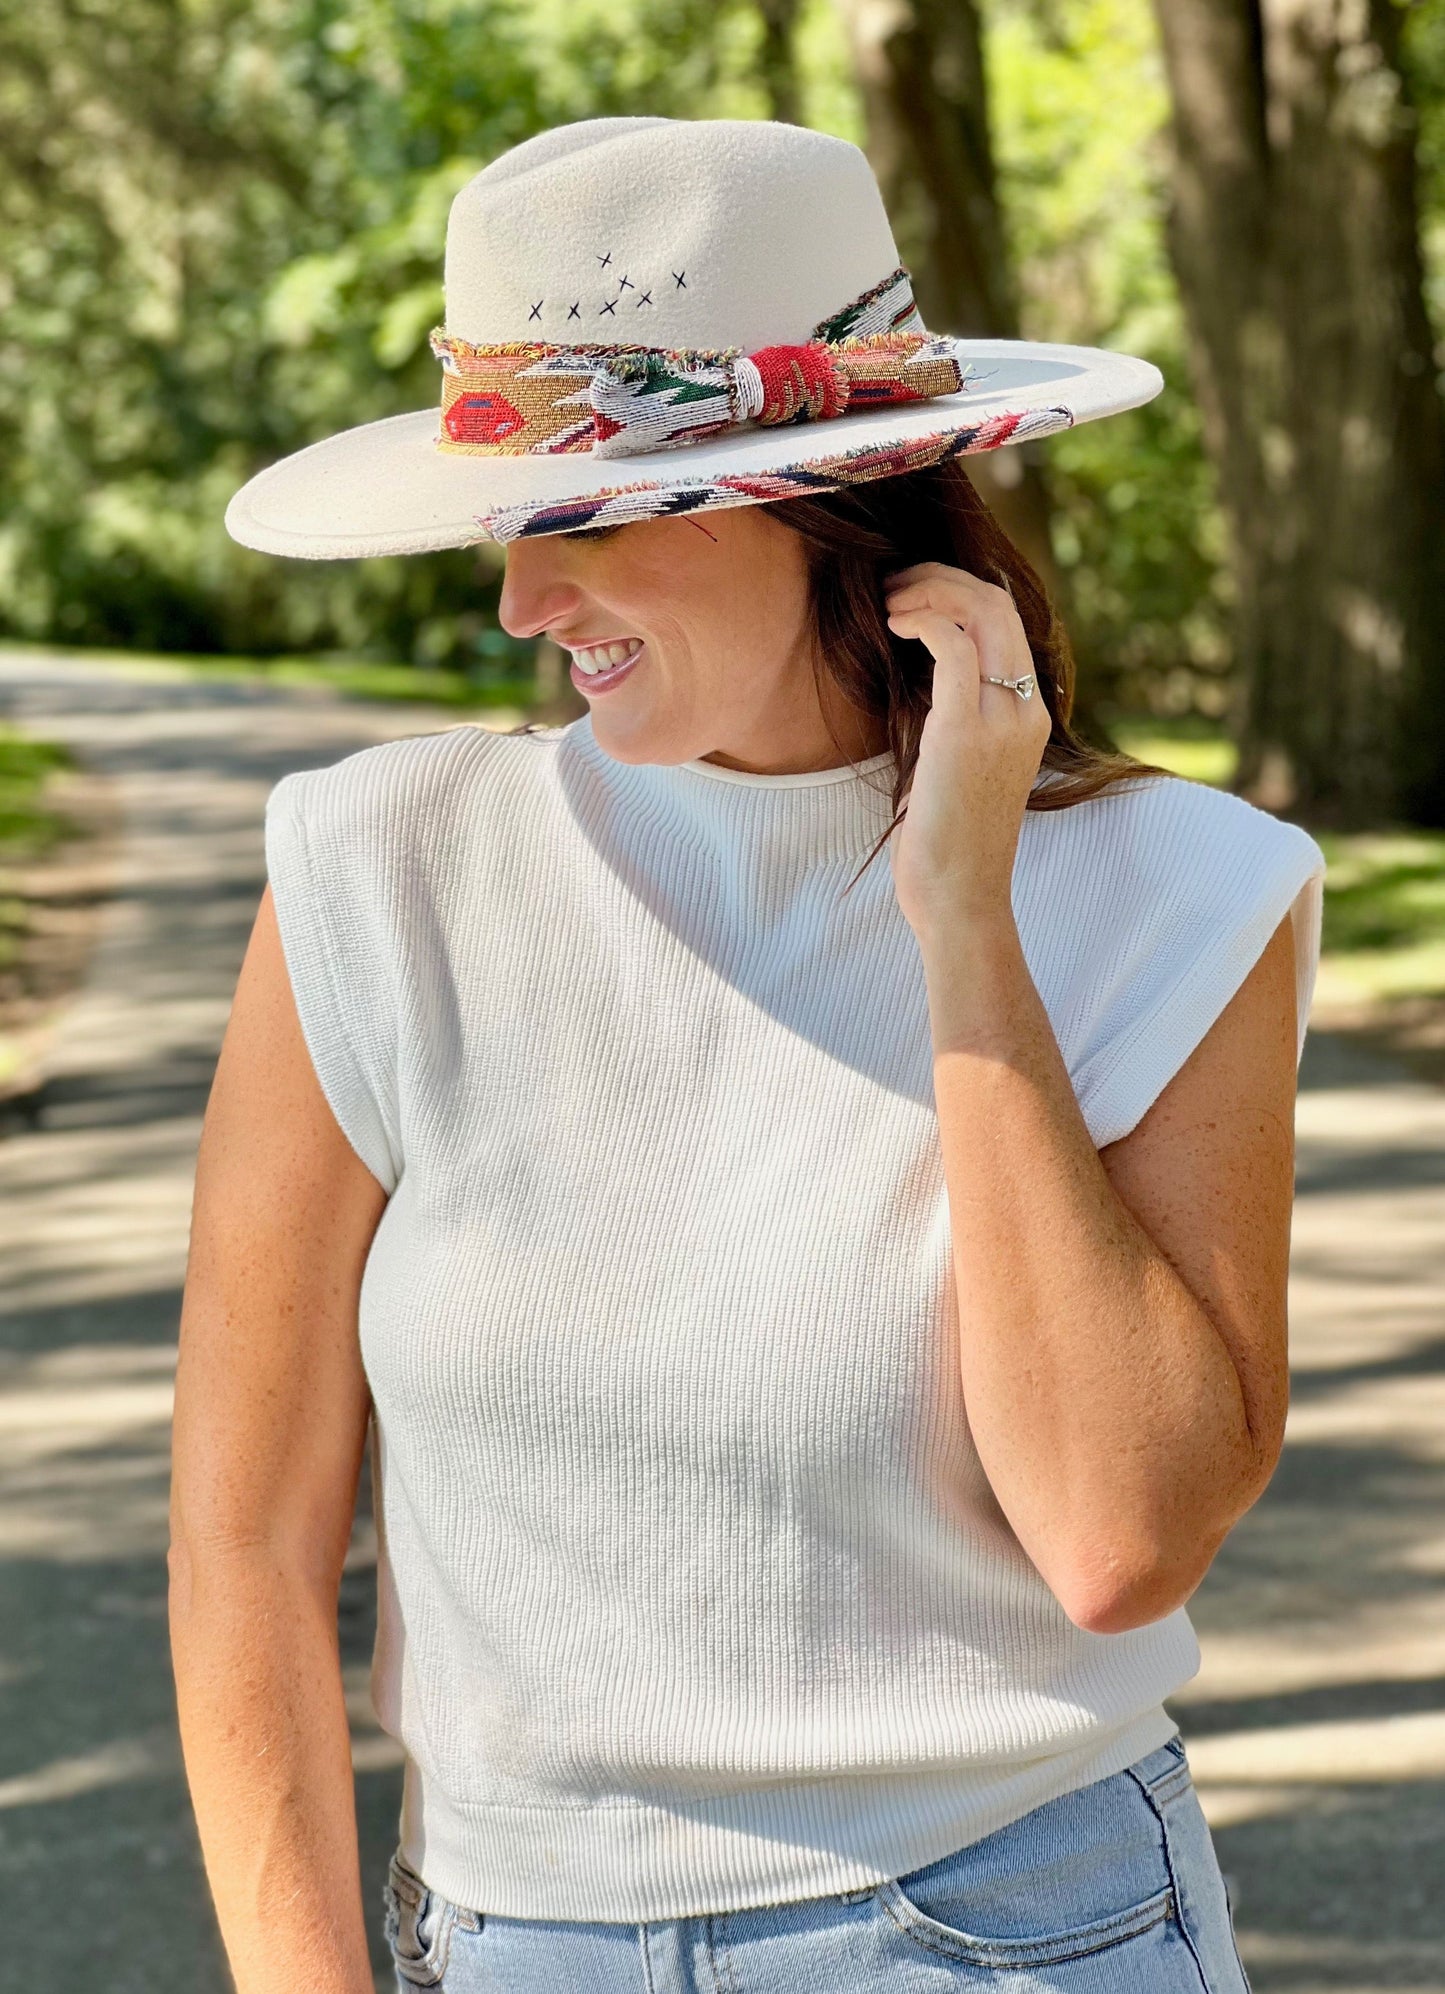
{"points": [[385, 488]]}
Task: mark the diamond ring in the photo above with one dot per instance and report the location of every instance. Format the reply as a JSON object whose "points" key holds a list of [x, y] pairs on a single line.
{"points": [[1024, 687]]}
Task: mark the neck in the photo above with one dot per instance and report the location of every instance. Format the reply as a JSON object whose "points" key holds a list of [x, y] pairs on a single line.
{"points": [[852, 737]]}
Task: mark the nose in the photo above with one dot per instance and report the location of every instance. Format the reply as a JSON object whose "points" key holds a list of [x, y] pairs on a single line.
{"points": [[537, 591]]}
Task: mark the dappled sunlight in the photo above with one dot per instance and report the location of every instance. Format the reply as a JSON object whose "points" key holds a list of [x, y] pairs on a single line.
{"points": [[1316, 1727], [85, 1453], [107, 1214], [119, 1764], [94, 1221], [1364, 1751]]}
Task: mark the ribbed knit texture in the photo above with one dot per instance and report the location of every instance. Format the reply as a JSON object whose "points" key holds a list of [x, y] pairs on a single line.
{"points": [[692, 1593]]}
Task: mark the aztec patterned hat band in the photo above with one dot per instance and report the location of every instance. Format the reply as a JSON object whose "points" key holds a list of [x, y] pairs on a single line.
{"points": [[538, 399]]}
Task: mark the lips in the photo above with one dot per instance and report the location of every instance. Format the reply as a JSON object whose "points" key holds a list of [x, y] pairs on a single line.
{"points": [[600, 666]]}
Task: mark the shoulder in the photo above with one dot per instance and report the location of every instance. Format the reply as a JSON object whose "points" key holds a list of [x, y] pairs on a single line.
{"points": [[1141, 911], [406, 791], [1158, 856], [1161, 839]]}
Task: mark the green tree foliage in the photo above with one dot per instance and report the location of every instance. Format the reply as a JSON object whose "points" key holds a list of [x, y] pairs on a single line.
{"points": [[1423, 57], [221, 228], [216, 216], [1081, 109]]}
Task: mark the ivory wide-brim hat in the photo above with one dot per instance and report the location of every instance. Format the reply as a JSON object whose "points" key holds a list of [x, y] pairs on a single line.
{"points": [[647, 316]]}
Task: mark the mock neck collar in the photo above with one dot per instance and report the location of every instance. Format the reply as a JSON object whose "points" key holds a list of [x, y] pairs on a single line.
{"points": [[805, 819], [807, 779]]}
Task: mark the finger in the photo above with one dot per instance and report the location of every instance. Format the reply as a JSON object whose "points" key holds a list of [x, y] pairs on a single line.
{"points": [[927, 574], [1003, 702], [987, 613], [968, 607], [920, 570], [933, 627], [953, 586], [1025, 716], [955, 688]]}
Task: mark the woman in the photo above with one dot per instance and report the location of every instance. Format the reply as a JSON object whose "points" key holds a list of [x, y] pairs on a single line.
{"points": [[821, 1319]]}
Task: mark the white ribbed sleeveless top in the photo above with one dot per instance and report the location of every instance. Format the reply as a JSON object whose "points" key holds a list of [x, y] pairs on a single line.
{"points": [[692, 1593]]}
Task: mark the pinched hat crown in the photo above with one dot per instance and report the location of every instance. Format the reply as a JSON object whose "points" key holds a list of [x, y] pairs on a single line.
{"points": [[665, 232], [654, 316]]}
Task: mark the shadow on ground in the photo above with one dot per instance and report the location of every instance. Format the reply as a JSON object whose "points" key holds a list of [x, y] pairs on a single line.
{"points": [[94, 1813], [1318, 1723]]}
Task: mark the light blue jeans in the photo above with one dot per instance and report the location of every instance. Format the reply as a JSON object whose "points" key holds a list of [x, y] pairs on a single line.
{"points": [[1114, 1889]]}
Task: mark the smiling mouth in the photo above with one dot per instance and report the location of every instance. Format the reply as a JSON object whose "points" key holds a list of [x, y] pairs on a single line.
{"points": [[602, 666], [596, 659]]}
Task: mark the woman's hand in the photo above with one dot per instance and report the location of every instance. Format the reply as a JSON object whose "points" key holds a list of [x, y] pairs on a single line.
{"points": [[953, 855]]}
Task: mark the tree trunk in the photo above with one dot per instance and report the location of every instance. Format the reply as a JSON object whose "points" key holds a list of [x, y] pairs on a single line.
{"points": [[777, 60], [1294, 234], [920, 72]]}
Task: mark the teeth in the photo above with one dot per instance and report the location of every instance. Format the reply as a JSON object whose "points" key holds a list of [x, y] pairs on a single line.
{"points": [[602, 657]]}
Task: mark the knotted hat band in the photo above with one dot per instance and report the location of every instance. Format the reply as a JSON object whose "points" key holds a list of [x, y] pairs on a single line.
{"points": [[523, 399]]}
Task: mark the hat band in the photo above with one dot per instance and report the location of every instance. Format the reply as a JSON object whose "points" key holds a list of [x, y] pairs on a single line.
{"points": [[522, 399]]}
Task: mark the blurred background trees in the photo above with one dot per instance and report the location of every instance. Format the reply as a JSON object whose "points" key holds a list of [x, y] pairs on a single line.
{"points": [[1294, 232], [220, 237]]}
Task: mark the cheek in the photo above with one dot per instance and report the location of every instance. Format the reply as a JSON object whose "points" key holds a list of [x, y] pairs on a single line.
{"points": [[742, 608], [714, 609]]}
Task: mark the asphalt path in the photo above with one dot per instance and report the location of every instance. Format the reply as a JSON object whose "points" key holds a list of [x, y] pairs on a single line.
{"points": [[1316, 1728]]}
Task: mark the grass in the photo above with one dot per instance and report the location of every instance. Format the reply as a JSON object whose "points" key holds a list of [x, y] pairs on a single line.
{"points": [[1191, 748], [1384, 936], [28, 828], [496, 685]]}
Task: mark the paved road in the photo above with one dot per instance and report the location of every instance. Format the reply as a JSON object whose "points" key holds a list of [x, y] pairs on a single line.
{"points": [[1317, 1727]]}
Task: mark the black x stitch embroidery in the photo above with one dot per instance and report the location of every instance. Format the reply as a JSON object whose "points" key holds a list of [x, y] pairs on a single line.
{"points": [[677, 277], [536, 311], [644, 297], [575, 311], [605, 260], [609, 308]]}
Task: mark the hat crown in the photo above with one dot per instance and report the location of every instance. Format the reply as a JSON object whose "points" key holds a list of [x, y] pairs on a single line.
{"points": [[665, 232]]}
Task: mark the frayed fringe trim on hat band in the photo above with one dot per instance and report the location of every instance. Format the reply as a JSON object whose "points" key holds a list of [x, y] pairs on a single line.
{"points": [[518, 398], [621, 505]]}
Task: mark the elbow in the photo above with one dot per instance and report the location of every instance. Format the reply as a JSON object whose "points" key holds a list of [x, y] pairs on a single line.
{"points": [[180, 1565], [1118, 1593], [1120, 1610], [1134, 1578], [228, 1571]]}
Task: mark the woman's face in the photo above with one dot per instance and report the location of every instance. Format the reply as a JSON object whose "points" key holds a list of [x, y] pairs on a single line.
{"points": [[714, 612]]}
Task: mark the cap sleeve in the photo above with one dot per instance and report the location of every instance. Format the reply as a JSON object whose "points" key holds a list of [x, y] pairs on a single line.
{"points": [[323, 878], [1146, 917]]}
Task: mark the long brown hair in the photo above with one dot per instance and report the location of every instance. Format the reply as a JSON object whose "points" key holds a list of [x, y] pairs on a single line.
{"points": [[859, 534]]}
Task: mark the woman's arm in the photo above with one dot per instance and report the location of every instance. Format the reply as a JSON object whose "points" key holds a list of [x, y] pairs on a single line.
{"points": [[271, 1415], [1122, 1314]]}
